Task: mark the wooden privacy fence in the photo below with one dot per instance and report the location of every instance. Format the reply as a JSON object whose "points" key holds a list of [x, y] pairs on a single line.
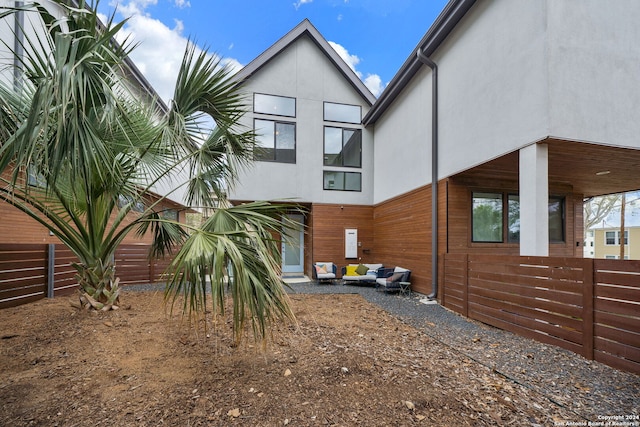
{"points": [[588, 306], [29, 272]]}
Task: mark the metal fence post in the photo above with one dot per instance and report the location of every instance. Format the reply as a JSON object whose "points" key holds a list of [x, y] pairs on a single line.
{"points": [[51, 265]]}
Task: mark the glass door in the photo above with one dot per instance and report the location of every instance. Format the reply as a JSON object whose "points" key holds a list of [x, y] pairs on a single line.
{"points": [[293, 246]]}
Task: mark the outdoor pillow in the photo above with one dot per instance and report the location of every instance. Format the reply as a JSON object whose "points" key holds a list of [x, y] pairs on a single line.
{"points": [[351, 270], [362, 269], [395, 277], [321, 269]]}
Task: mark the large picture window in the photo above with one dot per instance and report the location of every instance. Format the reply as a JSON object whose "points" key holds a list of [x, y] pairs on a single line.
{"points": [[275, 141], [342, 181], [275, 105], [342, 147], [343, 113], [488, 213]]}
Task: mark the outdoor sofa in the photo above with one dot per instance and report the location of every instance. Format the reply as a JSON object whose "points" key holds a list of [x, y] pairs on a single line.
{"points": [[360, 274]]}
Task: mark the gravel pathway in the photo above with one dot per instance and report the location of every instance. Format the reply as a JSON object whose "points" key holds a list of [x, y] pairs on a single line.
{"points": [[593, 391]]}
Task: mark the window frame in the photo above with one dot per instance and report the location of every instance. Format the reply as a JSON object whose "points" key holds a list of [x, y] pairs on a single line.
{"points": [[324, 112], [295, 105], [274, 147], [616, 238], [342, 132], [502, 216], [506, 198], [324, 187]]}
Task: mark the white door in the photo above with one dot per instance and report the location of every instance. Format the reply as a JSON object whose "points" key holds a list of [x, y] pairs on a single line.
{"points": [[293, 246]]}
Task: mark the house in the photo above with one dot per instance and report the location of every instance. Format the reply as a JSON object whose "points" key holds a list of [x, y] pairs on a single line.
{"points": [[607, 242], [312, 148], [502, 119], [17, 227]]}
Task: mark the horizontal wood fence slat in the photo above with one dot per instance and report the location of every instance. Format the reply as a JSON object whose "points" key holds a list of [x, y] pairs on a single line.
{"points": [[591, 307], [25, 275]]}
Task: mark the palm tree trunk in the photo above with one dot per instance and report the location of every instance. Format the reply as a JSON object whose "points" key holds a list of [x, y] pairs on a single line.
{"points": [[98, 285]]}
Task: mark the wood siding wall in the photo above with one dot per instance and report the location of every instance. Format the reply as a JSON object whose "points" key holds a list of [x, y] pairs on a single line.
{"points": [[403, 235], [587, 306], [326, 228], [459, 220], [17, 227]]}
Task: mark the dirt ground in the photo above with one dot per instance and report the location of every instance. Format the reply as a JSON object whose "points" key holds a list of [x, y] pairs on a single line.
{"points": [[345, 363]]}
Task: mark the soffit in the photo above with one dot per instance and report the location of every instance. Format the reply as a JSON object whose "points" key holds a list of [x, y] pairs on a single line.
{"points": [[574, 165]]}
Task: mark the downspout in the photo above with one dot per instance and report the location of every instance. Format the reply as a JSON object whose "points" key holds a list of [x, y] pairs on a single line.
{"points": [[18, 43], [434, 171]]}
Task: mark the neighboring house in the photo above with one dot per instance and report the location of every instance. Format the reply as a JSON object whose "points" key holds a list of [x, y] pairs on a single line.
{"points": [[607, 242], [589, 244], [17, 227], [517, 109]]}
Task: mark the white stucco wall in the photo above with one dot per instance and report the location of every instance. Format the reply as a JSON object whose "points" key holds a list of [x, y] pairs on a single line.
{"points": [[594, 71], [492, 83], [402, 141], [512, 73], [303, 72]]}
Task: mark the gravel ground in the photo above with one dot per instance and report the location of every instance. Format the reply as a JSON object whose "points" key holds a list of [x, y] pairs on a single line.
{"points": [[593, 391]]}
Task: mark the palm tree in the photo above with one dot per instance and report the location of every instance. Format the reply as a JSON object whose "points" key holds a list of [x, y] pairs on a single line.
{"points": [[75, 127]]}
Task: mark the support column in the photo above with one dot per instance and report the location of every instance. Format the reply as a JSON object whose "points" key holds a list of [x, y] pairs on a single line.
{"points": [[534, 200]]}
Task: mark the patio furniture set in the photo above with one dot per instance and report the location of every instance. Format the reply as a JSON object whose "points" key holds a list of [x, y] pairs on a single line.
{"points": [[394, 279]]}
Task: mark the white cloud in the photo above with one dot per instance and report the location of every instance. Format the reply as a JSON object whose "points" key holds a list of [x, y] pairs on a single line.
{"points": [[372, 81], [351, 60], [183, 3], [133, 7], [300, 3], [160, 48]]}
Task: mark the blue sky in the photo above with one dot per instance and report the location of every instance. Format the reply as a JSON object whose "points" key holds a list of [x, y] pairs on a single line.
{"points": [[373, 36]]}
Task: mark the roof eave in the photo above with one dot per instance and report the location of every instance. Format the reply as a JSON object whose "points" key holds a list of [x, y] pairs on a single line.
{"points": [[448, 19], [305, 27]]}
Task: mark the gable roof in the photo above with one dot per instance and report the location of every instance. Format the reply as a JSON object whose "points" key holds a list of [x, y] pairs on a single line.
{"points": [[434, 37], [302, 29]]}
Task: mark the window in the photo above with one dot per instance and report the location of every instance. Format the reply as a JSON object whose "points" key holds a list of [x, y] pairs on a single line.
{"points": [[138, 206], [342, 147], [276, 105], [488, 213], [342, 181], [610, 238], [613, 237], [487, 217], [170, 214], [34, 178], [275, 141], [513, 214], [342, 113]]}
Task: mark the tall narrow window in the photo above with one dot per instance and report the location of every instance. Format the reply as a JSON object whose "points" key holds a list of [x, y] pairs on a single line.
{"points": [[342, 147], [513, 214], [275, 105], [343, 113], [556, 219], [487, 217], [275, 141]]}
